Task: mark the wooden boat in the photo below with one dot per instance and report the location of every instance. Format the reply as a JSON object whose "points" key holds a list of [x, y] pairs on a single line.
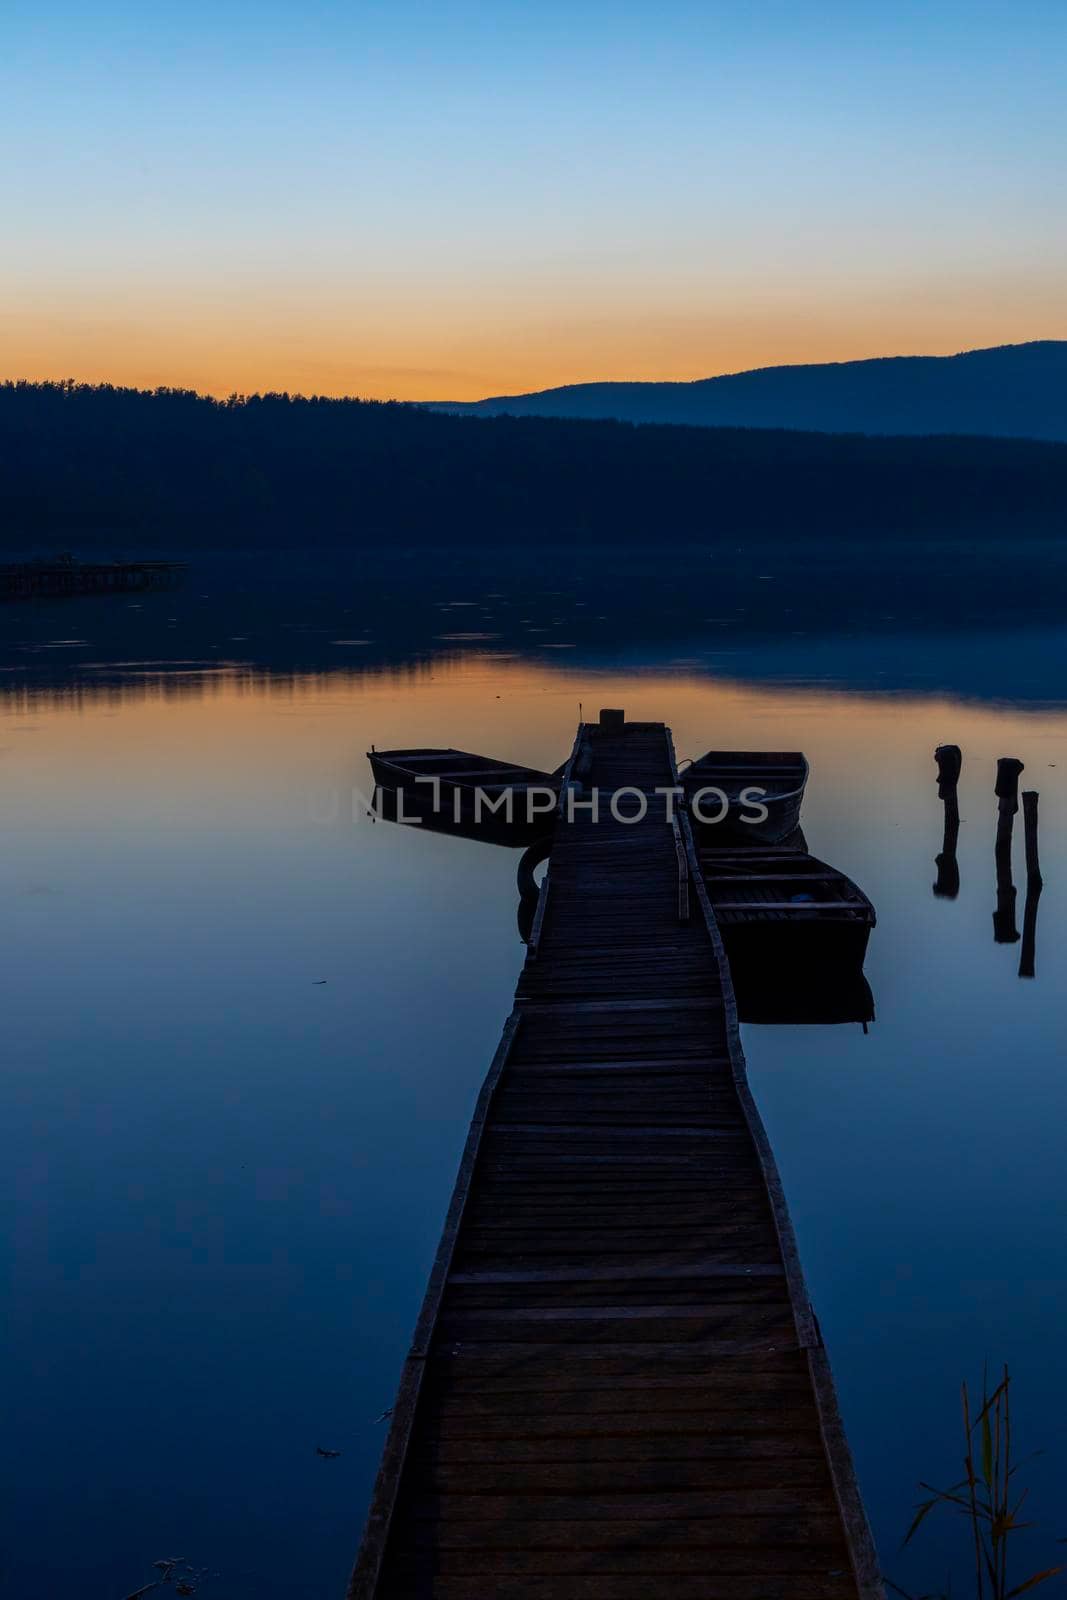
{"points": [[781, 775], [795, 931], [455, 791]]}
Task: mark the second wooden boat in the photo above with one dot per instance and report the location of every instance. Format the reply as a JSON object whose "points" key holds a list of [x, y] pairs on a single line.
{"points": [[771, 781], [795, 931]]}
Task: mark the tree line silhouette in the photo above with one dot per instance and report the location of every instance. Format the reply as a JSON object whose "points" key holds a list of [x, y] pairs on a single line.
{"points": [[175, 468]]}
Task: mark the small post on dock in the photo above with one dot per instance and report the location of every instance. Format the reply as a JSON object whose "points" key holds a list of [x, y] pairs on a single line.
{"points": [[949, 760], [612, 721], [1005, 930], [1034, 885]]}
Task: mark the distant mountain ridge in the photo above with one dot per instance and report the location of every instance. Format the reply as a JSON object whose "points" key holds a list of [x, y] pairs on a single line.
{"points": [[1009, 391]]}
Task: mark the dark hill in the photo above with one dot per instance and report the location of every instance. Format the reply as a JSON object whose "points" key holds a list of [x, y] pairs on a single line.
{"points": [[171, 469], [1015, 391]]}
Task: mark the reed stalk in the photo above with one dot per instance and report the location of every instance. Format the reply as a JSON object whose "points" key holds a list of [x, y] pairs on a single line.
{"points": [[987, 1496]]}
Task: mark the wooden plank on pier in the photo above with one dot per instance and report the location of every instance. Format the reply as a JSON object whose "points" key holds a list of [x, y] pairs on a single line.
{"points": [[617, 1388]]}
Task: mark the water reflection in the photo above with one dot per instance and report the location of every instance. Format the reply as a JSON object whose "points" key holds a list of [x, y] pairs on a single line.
{"points": [[1005, 930], [855, 616], [1028, 950], [1034, 885], [229, 1178]]}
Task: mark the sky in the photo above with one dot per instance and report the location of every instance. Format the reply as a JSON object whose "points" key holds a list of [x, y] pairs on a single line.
{"points": [[431, 199]]}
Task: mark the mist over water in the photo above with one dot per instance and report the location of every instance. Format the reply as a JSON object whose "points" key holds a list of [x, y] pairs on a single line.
{"points": [[246, 1024]]}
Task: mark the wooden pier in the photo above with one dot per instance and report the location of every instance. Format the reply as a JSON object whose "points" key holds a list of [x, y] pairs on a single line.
{"points": [[29, 580], [617, 1388]]}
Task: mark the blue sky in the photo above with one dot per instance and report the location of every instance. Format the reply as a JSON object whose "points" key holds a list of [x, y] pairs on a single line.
{"points": [[460, 198]]}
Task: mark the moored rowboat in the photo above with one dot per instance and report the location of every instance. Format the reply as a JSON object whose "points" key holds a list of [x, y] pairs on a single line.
{"points": [[795, 931], [456, 791], [771, 781]]}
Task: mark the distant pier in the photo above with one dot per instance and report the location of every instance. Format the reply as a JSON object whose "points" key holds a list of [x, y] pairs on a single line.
{"points": [[27, 580], [617, 1388]]}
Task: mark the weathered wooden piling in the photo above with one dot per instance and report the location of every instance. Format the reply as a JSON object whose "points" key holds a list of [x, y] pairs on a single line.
{"points": [[1006, 788], [1005, 930], [949, 760]]}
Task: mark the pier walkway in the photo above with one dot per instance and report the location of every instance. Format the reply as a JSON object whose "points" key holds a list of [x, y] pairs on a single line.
{"points": [[28, 580], [617, 1389]]}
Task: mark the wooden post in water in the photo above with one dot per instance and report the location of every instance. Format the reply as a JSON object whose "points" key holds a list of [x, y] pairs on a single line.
{"points": [[1033, 867], [1005, 930], [1034, 885], [1007, 785], [949, 760]]}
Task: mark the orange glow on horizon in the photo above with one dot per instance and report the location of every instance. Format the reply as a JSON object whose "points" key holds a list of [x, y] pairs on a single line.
{"points": [[430, 354]]}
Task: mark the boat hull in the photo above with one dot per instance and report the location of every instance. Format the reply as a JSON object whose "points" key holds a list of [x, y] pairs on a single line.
{"points": [[746, 797], [795, 931], [514, 807], [779, 825]]}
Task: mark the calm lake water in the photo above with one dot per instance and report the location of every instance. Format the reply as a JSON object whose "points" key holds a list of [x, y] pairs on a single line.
{"points": [[244, 1025]]}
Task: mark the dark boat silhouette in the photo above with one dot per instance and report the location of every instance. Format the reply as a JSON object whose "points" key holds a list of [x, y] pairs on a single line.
{"points": [[456, 791], [795, 931], [780, 777]]}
